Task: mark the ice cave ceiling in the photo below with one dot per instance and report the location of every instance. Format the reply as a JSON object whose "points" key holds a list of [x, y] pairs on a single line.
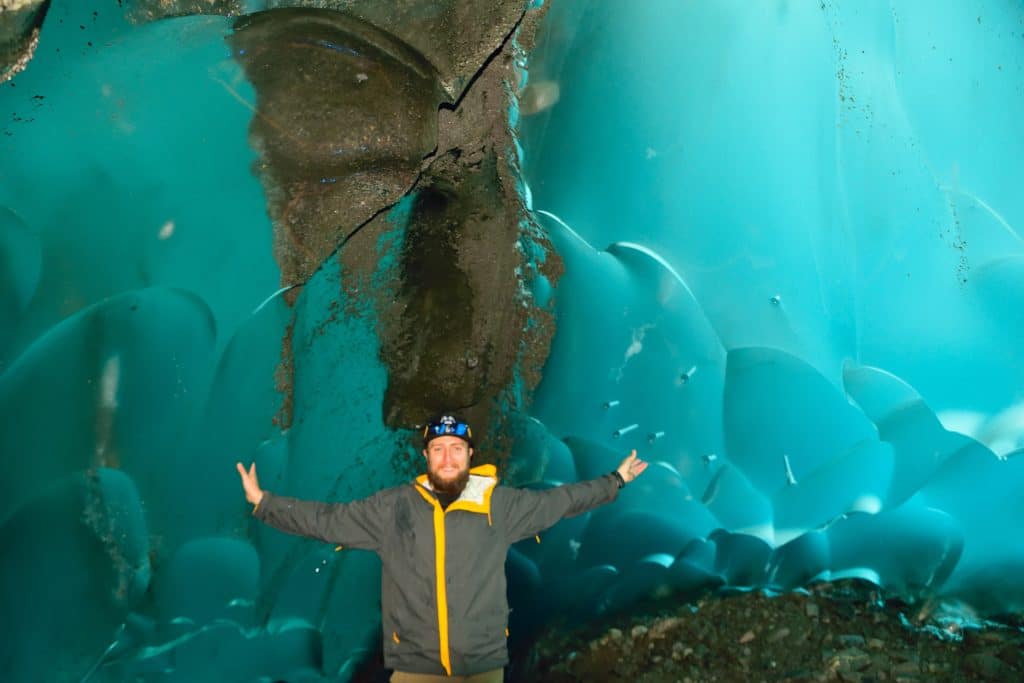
{"points": [[774, 246]]}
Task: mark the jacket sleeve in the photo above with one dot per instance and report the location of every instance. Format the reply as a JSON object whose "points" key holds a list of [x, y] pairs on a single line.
{"points": [[528, 512], [357, 524]]}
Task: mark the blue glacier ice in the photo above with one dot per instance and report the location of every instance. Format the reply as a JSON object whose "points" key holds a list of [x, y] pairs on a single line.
{"points": [[829, 187], [793, 281]]}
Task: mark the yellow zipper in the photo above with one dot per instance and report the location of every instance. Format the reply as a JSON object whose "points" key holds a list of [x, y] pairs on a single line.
{"points": [[442, 592], [441, 588]]}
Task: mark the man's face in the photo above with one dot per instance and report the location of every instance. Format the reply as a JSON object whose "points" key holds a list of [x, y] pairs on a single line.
{"points": [[448, 463]]}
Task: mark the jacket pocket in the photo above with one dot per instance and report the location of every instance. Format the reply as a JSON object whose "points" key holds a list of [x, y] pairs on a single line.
{"points": [[488, 636], [393, 639]]}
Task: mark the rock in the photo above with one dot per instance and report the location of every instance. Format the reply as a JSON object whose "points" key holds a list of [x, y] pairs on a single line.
{"points": [[1012, 655], [812, 610], [850, 660], [987, 666], [880, 661], [904, 668], [778, 635], [747, 637], [663, 626], [615, 634], [851, 640], [638, 631], [20, 24], [875, 643]]}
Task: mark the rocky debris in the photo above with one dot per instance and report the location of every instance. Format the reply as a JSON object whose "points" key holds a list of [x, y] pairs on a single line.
{"points": [[20, 23], [457, 36], [344, 115], [834, 632], [151, 10], [352, 117]]}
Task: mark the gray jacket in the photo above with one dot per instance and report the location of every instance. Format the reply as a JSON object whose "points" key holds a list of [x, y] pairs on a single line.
{"points": [[444, 607]]}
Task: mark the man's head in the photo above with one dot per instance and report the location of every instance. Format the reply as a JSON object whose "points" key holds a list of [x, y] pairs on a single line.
{"points": [[447, 447]]}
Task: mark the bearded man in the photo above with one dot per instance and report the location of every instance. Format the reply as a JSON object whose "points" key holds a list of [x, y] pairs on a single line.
{"points": [[442, 542]]}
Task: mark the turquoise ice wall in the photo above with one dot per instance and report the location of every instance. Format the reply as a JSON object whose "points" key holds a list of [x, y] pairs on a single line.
{"points": [[794, 280], [141, 332]]}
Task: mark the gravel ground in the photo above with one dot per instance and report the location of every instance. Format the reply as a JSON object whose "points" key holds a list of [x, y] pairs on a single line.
{"points": [[845, 631]]}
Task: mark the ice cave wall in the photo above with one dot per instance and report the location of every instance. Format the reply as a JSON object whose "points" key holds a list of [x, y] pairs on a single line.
{"points": [[794, 275], [793, 279]]}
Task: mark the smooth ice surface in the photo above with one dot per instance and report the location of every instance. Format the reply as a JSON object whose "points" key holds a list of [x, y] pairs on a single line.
{"points": [[793, 281], [832, 188]]}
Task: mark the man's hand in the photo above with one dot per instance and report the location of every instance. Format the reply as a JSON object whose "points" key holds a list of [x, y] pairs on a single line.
{"points": [[632, 467], [251, 483]]}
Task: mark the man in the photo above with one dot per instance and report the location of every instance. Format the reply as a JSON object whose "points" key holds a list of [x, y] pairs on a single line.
{"points": [[442, 542]]}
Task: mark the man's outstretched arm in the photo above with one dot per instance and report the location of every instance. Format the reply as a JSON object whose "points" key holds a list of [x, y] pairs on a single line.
{"points": [[530, 512], [356, 525]]}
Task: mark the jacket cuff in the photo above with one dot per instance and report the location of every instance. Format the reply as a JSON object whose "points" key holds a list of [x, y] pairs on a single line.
{"points": [[618, 478], [262, 505]]}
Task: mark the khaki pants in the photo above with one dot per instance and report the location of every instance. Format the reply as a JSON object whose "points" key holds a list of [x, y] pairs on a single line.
{"points": [[493, 676]]}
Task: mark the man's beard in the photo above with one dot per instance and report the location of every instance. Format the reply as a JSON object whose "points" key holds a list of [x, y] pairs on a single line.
{"points": [[452, 487]]}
